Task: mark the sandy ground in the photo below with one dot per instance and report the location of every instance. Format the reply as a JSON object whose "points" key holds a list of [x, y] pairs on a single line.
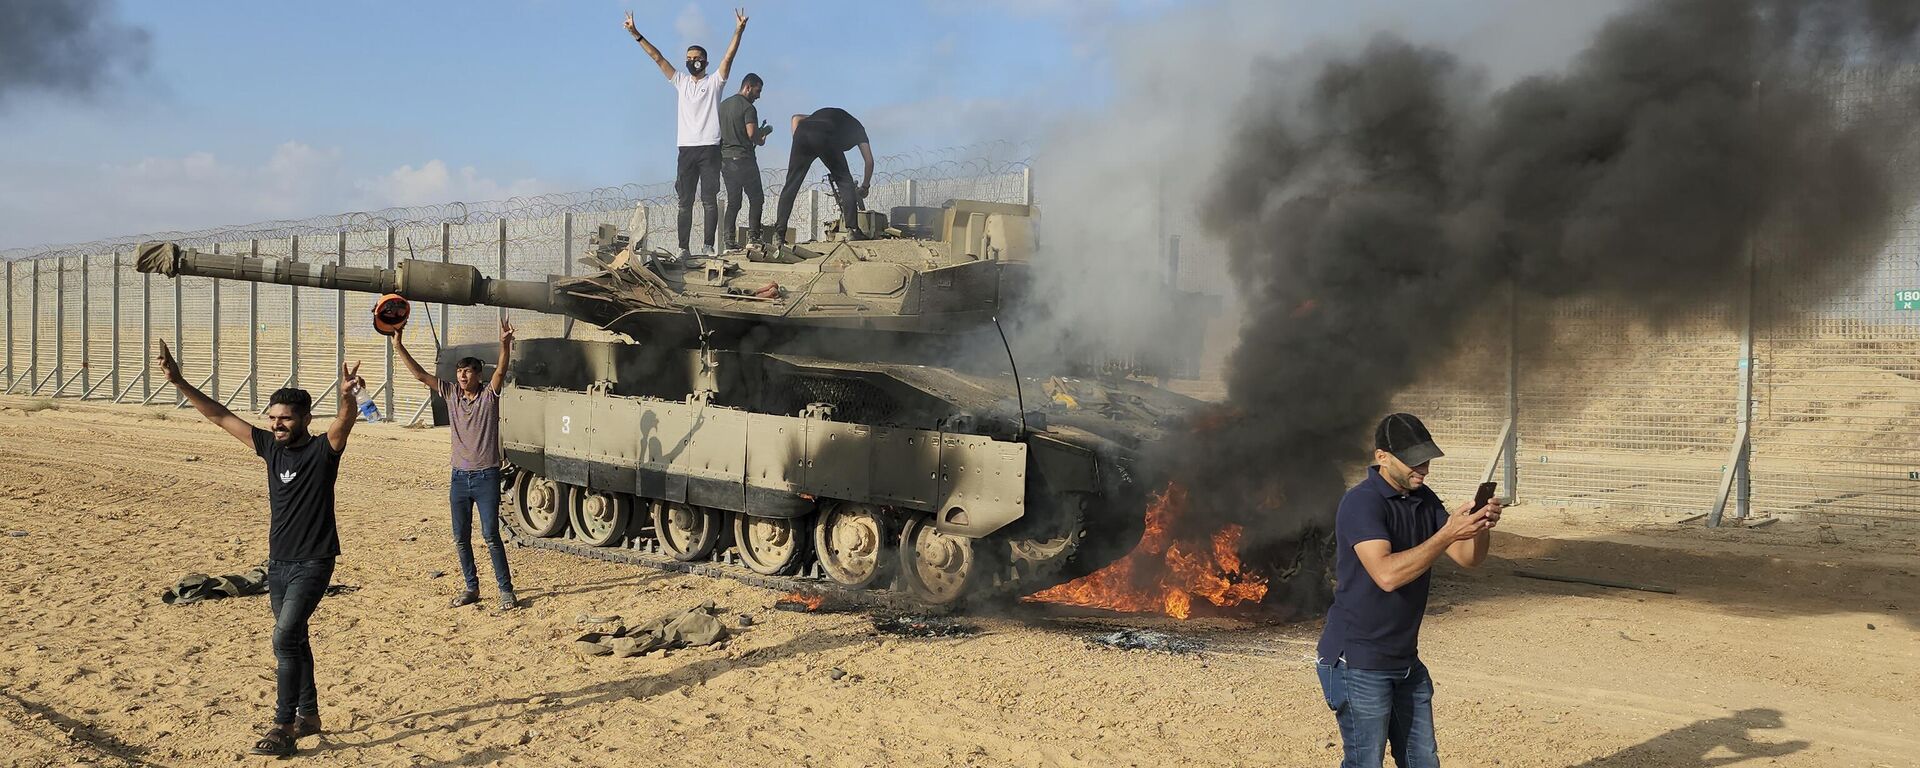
{"points": [[1790, 645]]}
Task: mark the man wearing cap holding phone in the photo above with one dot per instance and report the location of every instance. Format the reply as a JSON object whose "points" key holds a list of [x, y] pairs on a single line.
{"points": [[1388, 533]]}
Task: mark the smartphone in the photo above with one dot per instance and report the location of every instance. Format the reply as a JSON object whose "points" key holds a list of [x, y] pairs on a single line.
{"points": [[1484, 495]]}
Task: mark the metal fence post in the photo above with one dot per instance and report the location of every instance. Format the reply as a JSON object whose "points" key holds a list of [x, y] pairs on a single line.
{"points": [[446, 255], [1735, 480], [213, 333], [179, 336], [340, 312], [115, 307], [86, 322], [1511, 450], [813, 214], [146, 334], [253, 335], [33, 329], [501, 312], [913, 197], [566, 262], [388, 384], [293, 317], [11, 374], [59, 321], [1026, 186]]}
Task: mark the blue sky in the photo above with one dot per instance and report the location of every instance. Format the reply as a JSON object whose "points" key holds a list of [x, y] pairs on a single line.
{"points": [[249, 111]]}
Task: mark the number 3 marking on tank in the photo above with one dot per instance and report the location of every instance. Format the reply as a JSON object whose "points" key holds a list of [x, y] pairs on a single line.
{"points": [[566, 425]]}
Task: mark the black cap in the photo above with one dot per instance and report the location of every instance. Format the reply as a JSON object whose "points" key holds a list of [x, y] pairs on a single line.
{"points": [[1402, 435]]}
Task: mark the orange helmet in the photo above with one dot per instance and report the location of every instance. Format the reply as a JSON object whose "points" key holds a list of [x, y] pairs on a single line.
{"points": [[390, 314]]}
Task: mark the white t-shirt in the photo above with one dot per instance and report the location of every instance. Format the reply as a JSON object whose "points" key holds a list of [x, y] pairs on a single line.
{"points": [[699, 116]]}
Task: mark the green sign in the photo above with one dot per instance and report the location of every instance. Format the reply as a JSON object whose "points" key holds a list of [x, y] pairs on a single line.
{"points": [[1906, 300]]}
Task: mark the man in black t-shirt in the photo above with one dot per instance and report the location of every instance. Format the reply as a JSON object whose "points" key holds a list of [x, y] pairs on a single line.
{"points": [[302, 541], [826, 135]]}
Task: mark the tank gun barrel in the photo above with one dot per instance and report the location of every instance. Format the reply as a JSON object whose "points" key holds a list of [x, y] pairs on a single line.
{"points": [[417, 280]]}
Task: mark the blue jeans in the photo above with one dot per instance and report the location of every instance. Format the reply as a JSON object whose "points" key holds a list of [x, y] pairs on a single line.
{"points": [[1378, 707], [294, 589], [478, 489]]}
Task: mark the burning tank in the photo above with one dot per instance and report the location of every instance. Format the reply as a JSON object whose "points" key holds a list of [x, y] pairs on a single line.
{"points": [[795, 411]]}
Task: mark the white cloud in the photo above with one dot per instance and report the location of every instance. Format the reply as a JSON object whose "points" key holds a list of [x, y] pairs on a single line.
{"points": [[693, 29], [433, 183], [197, 190]]}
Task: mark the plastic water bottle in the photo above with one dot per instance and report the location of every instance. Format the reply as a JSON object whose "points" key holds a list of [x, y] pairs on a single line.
{"points": [[368, 411]]}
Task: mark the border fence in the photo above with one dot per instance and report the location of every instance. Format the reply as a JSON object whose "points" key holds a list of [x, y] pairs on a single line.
{"points": [[1571, 404]]}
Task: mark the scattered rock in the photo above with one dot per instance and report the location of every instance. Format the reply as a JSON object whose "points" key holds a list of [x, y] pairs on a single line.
{"points": [[836, 673], [591, 619], [1870, 626], [408, 538], [435, 574], [525, 738], [17, 534], [745, 620], [191, 458]]}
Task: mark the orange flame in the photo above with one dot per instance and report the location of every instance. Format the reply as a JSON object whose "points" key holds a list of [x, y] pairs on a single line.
{"points": [[806, 601], [1165, 575]]}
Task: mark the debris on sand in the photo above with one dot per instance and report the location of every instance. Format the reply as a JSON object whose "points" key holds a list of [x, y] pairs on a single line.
{"points": [[696, 626], [1146, 640], [923, 626], [801, 602]]}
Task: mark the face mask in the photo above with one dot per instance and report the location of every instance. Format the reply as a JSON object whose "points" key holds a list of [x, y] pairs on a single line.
{"points": [[696, 66]]}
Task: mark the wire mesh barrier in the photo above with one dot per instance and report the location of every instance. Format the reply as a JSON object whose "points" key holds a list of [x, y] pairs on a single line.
{"points": [[81, 322], [1572, 403]]}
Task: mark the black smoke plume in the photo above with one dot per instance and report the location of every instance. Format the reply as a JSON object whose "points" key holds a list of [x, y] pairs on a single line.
{"points": [[1375, 206], [65, 46]]}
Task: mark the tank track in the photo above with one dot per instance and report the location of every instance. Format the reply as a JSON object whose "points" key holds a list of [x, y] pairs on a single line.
{"points": [[725, 564], [637, 548]]}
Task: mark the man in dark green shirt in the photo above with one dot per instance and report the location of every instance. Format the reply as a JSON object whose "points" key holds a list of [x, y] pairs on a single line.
{"points": [[741, 131]]}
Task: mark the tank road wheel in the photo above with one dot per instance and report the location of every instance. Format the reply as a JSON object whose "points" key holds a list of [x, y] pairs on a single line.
{"points": [[853, 544], [536, 509], [941, 568], [601, 519], [687, 533], [1045, 542], [771, 546]]}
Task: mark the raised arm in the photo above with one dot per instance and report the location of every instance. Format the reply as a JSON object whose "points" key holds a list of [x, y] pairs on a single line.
{"points": [[1392, 570], [739, 26], [349, 407], [1471, 552], [658, 60], [207, 406], [506, 353], [413, 366], [866, 174]]}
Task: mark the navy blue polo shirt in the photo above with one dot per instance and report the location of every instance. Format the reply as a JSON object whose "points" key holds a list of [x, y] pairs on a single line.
{"points": [[1370, 627]]}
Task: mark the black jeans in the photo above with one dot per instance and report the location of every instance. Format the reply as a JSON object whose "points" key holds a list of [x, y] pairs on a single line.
{"points": [[699, 166], [294, 589], [742, 175], [806, 149], [478, 491]]}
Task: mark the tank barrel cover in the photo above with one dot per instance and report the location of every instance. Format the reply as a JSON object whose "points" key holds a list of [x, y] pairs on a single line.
{"points": [[414, 279]]}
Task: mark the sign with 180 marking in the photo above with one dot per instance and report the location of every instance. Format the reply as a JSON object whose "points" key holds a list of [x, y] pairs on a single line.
{"points": [[1906, 300]]}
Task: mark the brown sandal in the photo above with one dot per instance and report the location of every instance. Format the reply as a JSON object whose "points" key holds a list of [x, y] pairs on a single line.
{"points": [[303, 726], [276, 742]]}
